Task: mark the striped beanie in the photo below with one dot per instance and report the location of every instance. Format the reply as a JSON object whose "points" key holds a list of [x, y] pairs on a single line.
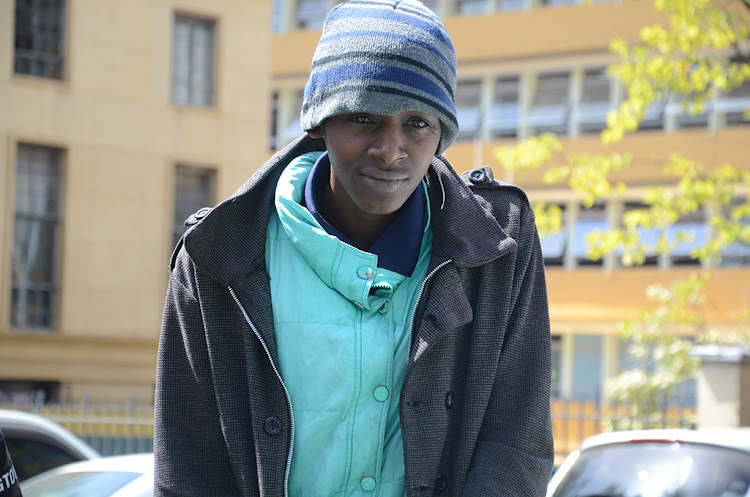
{"points": [[383, 57]]}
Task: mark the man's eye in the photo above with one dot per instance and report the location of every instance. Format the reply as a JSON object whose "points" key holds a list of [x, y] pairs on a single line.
{"points": [[361, 119], [419, 123]]}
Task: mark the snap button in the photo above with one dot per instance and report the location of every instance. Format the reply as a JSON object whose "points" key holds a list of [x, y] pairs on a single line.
{"points": [[368, 483], [365, 272], [381, 393], [359, 305], [384, 308], [449, 400], [203, 212], [272, 425]]}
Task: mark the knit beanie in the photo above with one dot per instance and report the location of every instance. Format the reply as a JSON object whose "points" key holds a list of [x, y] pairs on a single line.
{"points": [[383, 57]]}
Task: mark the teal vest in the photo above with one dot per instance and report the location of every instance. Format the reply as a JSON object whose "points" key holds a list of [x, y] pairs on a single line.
{"points": [[342, 349]]}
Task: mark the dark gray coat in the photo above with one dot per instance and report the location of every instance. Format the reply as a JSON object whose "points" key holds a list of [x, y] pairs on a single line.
{"points": [[474, 408]]}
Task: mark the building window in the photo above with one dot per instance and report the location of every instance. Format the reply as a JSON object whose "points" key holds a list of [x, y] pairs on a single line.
{"points": [[734, 103], [310, 14], [684, 394], [589, 220], [654, 117], [553, 244], [558, 2], [468, 108], [39, 35], [434, 5], [555, 391], [688, 233], [550, 106], [273, 141], [587, 374], [506, 111], [35, 237], [648, 238], [469, 7], [738, 253], [29, 393], [594, 103], [193, 61], [194, 189], [685, 116], [291, 109], [510, 5]]}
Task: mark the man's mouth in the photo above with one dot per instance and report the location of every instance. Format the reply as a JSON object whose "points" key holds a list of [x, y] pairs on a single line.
{"points": [[382, 184]]}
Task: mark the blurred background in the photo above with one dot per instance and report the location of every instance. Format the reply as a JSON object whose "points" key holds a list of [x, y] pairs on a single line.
{"points": [[120, 119]]}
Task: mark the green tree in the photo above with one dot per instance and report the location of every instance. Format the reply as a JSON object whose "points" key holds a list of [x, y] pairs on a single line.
{"points": [[698, 53]]}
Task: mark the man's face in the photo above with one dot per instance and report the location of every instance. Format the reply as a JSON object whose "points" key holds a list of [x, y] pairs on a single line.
{"points": [[378, 161]]}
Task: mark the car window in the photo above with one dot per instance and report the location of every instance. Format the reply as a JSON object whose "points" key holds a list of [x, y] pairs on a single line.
{"points": [[31, 457], [84, 484], [657, 469]]}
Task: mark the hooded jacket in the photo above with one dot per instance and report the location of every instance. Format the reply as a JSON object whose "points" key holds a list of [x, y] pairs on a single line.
{"points": [[474, 406]]}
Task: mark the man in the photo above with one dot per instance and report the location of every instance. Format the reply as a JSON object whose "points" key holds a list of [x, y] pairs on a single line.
{"points": [[357, 319]]}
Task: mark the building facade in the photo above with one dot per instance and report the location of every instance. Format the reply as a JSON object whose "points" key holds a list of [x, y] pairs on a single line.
{"points": [[118, 119], [526, 67]]}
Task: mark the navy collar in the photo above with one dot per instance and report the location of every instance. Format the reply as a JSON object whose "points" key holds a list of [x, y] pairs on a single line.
{"points": [[399, 245]]}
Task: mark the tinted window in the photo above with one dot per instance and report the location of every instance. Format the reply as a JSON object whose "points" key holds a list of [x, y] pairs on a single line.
{"points": [[31, 457], [657, 469]]}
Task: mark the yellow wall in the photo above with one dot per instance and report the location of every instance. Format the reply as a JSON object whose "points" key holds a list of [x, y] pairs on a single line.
{"points": [[122, 137]]}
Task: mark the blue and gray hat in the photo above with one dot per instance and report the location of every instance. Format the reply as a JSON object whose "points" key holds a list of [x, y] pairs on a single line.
{"points": [[383, 57]]}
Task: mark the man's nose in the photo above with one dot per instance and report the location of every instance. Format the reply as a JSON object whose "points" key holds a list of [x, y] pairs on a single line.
{"points": [[388, 143]]}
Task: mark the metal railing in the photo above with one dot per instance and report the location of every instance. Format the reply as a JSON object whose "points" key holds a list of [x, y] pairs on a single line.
{"points": [[129, 428], [111, 429]]}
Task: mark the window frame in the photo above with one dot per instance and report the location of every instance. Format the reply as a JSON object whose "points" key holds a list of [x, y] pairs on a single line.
{"points": [[54, 67], [179, 215], [201, 93], [52, 224]]}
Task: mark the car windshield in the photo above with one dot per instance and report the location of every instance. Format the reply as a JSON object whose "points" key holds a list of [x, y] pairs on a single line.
{"points": [[657, 469], [84, 484]]}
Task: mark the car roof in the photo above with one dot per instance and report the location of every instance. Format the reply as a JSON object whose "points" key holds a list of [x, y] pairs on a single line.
{"points": [[736, 438], [134, 463], [14, 421], [142, 463]]}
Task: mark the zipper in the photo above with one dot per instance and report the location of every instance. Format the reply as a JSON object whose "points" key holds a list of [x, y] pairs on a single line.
{"points": [[416, 305], [286, 392]]}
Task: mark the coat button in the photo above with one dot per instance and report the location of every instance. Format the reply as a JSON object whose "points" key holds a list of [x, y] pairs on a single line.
{"points": [[449, 400], [202, 212], [440, 485], [380, 393], [273, 425], [384, 308], [477, 176], [368, 483]]}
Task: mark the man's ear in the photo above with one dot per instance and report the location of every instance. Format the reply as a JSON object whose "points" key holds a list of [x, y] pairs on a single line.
{"points": [[316, 132]]}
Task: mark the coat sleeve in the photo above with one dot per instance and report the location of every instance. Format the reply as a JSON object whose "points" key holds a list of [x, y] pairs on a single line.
{"points": [[514, 454], [189, 454]]}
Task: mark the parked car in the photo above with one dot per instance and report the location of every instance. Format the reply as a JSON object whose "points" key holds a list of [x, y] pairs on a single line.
{"points": [[657, 463], [114, 476], [36, 444]]}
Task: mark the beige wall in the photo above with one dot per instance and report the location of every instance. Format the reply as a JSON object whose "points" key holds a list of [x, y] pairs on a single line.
{"points": [[122, 138]]}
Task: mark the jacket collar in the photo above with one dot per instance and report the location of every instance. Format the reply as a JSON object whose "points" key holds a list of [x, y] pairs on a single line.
{"points": [[229, 243]]}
